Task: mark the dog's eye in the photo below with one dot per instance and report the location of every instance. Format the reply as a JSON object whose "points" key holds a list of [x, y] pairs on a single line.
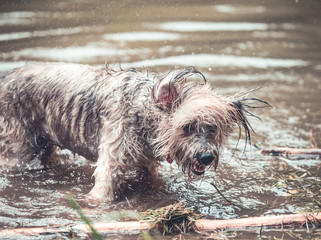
{"points": [[188, 129], [212, 129]]}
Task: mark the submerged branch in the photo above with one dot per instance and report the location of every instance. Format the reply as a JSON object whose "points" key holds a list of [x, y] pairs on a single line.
{"points": [[266, 221], [312, 219], [290, 151]]}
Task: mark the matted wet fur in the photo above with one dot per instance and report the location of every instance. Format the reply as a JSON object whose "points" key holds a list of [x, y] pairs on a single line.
{"points": [[123, 120]]}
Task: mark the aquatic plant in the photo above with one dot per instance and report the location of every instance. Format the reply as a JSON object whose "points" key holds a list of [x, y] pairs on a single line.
{"points": [[172, 219]]}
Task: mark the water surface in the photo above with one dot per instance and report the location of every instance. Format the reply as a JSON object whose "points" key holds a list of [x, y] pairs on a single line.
{"points": [[238, 45]]}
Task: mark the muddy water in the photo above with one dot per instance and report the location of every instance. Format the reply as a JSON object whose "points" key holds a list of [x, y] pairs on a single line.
{"points": [[238, 45]]}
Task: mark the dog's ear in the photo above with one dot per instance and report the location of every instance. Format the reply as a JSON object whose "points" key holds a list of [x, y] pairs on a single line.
{"points": [[241, 110], [167, 91]]}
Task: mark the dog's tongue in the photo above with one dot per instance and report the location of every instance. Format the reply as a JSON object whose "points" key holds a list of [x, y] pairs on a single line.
{"points": [[169, 159]]}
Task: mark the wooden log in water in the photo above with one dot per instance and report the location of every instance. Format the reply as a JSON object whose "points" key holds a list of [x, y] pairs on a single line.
{"points": [[290, 151], [266, 221], [116, 226], [77, 229], [201, 224]]}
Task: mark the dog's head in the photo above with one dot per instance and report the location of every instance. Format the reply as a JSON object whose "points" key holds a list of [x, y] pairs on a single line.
{"points": [[196, 120]]}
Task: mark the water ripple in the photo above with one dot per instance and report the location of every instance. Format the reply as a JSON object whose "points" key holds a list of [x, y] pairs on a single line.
{"points": [[191, 26], [213, 60]]}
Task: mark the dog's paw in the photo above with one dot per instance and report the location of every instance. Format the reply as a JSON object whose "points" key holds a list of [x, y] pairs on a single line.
{"points": [[96, 197]]}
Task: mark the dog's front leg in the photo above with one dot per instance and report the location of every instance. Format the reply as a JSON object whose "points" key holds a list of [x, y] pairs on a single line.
{"points": [[108, 173], [104, 181]]}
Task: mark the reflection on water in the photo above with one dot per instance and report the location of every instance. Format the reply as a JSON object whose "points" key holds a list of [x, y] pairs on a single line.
{"points": [[189, 26], [213, 60], [74, 54], [44, 33], [142, 36], [14, 18], [232, 9], [237, 45]]}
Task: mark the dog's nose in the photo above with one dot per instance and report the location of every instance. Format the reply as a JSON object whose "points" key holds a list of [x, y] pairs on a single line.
{"points": [[206, 158]]}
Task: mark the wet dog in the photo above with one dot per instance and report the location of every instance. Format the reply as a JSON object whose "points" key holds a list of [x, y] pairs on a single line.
{"points": [[123, 120]]}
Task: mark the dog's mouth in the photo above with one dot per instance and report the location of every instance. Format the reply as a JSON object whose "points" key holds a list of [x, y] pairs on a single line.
{"points": [[197, 168], [203, 161], [199, 164]]}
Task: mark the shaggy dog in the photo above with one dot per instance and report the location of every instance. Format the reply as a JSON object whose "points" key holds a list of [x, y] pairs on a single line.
{"points": [[123, 120]]}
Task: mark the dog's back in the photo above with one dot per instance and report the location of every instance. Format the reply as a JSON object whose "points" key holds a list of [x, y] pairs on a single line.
{"points": [[51, 104]]}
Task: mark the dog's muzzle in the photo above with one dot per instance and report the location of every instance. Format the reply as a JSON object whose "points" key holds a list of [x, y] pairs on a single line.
{"points": [[203, 160]]}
